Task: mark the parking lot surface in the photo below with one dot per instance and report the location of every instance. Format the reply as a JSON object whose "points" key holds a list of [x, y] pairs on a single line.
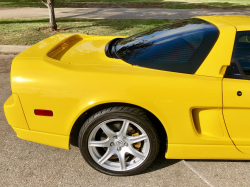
{"points": [[24, 163]]}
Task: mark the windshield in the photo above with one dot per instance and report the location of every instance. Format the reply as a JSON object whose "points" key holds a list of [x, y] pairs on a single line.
{"points": [[180, 46]]}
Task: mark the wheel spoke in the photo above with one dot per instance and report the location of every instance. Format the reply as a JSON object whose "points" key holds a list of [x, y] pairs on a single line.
{"points": [[136, 139], [111, 138], [105, 157], [107, 130], [103, 143], [124, 128], [136, 153], [121, 156]]}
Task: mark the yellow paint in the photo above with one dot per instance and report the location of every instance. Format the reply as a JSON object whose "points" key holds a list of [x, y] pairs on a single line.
{"points": [[184, 151], [69, 74], [14, 112], [43, 138], [220, 55], [240, 22], [81, 50], [207, 122], [237, 111]]}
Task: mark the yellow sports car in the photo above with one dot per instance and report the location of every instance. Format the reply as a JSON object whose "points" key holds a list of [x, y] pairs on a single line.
{"points": [[183, 87]]}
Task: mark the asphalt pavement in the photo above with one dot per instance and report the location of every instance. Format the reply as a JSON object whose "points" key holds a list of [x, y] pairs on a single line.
{"points": [[117, 13], [28, 164]]}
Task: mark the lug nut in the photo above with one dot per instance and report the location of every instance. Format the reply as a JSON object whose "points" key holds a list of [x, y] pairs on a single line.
{"points": [[118, 148], [126, 144], [112, 144], [115, 137]]}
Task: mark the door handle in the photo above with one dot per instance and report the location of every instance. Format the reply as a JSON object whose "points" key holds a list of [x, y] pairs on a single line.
{"points": [[239, 93]]}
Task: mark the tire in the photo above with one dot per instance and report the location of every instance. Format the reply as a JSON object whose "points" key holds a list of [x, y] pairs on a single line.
{"points": [[128, 149]]}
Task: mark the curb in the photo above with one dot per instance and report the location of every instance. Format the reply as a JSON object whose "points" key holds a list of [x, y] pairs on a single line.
{"points": [[12, 48]]}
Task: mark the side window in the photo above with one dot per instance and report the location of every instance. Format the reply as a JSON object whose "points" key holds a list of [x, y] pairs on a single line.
{"points": [[240, 63]]}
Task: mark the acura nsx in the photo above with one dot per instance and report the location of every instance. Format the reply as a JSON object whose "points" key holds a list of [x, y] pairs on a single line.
{"points": [[183, 87]]}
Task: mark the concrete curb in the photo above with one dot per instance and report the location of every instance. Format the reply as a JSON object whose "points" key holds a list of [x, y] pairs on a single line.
{"points": [[12, 48]]}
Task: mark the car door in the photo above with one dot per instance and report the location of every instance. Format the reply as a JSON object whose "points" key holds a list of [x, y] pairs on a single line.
{"points": [[236, 93]]}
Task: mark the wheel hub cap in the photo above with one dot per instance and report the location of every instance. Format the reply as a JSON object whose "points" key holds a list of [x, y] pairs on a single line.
{"points": [[119, 143]]}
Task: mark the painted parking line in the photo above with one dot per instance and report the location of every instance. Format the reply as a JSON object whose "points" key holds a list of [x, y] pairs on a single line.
{"points": [[197, 173]]}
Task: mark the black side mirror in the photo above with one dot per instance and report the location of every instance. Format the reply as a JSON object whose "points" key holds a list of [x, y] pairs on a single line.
{"points": [[229, 70], [233, 70]]}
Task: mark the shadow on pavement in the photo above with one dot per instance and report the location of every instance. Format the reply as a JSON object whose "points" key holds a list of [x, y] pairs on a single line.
{"points": [[210, 160], [160, 163]]}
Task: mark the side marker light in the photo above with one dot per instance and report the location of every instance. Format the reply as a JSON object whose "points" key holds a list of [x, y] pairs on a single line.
{"points": [[40, 112]]}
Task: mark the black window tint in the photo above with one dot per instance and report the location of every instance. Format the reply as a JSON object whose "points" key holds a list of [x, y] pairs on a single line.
{"points": [[180, 47], [241, 52]]}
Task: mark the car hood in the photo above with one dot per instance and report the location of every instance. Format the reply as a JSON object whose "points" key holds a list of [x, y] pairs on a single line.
{"points": [[75, 49]]}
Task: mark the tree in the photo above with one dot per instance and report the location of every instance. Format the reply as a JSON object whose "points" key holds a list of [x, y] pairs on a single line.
{"points": [[52, 19]]}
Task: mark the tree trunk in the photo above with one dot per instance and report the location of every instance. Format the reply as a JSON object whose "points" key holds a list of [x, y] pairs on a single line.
{"points": [[52, 19]]}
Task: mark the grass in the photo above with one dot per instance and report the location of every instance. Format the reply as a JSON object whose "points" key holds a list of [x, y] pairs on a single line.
{"points": [[31, 31], [239, 2], [229, 2], [174, 4]]}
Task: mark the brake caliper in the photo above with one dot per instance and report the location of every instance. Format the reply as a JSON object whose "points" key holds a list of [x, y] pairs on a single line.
{"points": [[137, 145]]}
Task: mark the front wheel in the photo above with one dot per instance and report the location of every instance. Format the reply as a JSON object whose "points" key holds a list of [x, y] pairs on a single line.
{"points": [[119, 141]]}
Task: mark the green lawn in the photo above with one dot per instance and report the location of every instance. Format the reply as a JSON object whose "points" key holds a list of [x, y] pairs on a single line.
{"points": [[31, 31], [132, 3], [237, 2], [217, 2]]}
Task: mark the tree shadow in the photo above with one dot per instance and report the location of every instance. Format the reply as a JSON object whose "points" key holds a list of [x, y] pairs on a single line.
{"points": [[114, 25], [11, 21], [39, 20], [119, 24]]}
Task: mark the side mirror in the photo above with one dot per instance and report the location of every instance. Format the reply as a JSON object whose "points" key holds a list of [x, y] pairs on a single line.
{"points": [[229, 70], [233, 70]]}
